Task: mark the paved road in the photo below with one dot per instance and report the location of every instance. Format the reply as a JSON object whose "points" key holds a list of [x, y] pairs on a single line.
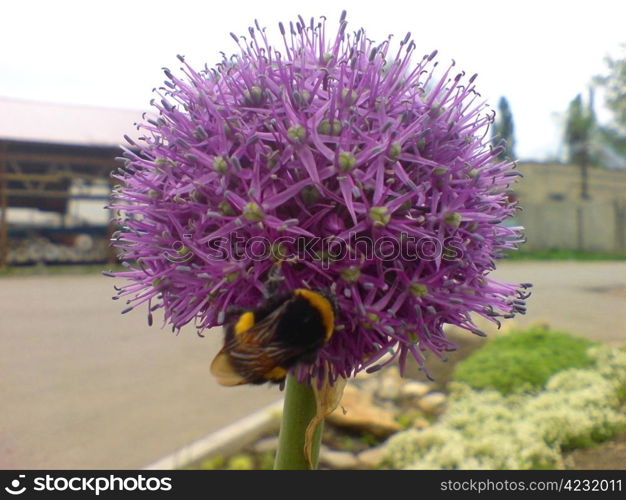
{"points": [[83, 387], [584, 298]]}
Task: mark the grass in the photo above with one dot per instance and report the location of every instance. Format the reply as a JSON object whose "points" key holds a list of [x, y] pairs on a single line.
{"points": [[564, 254], [239, 461], [522, 360]]}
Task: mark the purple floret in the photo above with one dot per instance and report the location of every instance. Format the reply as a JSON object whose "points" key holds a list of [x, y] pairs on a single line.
{"points": [[332, 164]]}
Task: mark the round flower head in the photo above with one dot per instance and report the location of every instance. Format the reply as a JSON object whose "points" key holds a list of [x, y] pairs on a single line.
{"points": [[328, 163]]}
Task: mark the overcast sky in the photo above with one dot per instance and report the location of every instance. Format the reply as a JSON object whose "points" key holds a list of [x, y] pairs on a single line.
{"points": [[539, 54]]}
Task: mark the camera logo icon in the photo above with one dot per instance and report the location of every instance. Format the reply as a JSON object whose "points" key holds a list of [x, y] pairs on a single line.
{"points": [[15, 489]]}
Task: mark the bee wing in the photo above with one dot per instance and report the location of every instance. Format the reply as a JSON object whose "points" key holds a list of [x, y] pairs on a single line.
{"points": [[263, 362], [223, 371]]}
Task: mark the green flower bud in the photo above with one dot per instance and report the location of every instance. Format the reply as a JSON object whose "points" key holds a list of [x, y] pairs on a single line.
{"points": [[229, 128], [453, 219], [327, 128], [301, 98], [310, 195], [225, 208], [406, 205], [220, 165], [272, 159], [252, 211], [278, 251], [395, 150], [346, 161], [297, 133], [183, 250], [373, 318], [161, 162], [449, 253], [380, 216], [351, 274], [348, 96], [435, 111], [231, 277], [419, 290], [254, 96]]}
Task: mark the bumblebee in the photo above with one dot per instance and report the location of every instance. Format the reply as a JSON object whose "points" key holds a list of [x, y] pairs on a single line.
{"points": [[262, 345]]}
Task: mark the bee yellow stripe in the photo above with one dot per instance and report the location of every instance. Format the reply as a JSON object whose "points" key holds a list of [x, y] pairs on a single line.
{"points": [[276, 373], [324, 307], [244, 323]]}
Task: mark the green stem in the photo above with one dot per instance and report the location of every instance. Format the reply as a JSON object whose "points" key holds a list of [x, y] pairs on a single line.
{"points": [[298, 410]]}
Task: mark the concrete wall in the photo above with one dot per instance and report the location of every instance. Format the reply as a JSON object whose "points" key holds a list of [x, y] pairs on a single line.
{"points": [[552, 182], [583, 225], [555, 216]]}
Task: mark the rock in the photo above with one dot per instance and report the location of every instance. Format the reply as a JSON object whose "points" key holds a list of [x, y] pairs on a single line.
{"points": [[373, 457], [338, 459], [415, 389], [420, 423], [390, 406], [369, 385], [357, 411], [357, 394], [390, 384], [266, 445], [433, 402]]}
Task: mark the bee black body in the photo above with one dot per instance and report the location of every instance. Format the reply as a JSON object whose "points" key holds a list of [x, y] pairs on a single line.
{"points": [[261, 345]]}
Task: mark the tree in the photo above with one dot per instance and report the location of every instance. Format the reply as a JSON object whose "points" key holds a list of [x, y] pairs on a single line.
{"points": [[580, 122], [579, 128], [503, 130], [613, 84]]}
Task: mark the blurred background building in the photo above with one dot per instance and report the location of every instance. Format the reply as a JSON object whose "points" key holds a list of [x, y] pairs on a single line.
{"points": [[55, 165]]}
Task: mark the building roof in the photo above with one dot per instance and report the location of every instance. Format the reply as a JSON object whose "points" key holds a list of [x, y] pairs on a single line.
{"points": [[65, 124]]}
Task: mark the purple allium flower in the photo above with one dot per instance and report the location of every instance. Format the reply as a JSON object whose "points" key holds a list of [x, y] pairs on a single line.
{"points": [[323, 163]]}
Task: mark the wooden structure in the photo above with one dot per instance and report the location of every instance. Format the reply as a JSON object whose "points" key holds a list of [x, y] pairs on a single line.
{"points": [[44, 148]]}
